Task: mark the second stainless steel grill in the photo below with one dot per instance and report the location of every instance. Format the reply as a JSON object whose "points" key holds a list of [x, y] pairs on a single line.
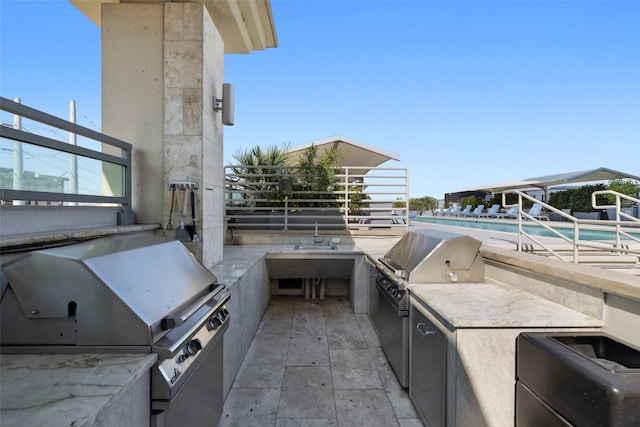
{"points": [[421, 256]]}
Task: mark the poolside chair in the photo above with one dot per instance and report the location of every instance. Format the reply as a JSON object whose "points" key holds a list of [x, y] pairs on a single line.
{"points": [[455, 211], [492, 212], [536, 212], [444, 212], [466, 211], [511, 213], [477, 211]]}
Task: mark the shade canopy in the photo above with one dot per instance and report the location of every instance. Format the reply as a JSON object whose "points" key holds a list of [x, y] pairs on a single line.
{"points": [[353, 153], [543, 182]]}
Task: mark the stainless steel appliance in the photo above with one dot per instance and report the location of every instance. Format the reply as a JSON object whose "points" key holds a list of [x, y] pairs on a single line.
{"points": [[127, 295], [420, 256], [428, 383]]}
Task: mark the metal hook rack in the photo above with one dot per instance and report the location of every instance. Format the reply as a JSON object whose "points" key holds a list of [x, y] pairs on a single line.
{"points": [[182, 185]]}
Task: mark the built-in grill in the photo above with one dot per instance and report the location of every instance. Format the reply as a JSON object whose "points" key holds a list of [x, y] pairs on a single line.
{"points": [[127, 295], [420, 256]]}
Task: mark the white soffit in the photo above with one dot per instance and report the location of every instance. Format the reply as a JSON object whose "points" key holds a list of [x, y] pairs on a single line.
{"points": [[245, 25]]}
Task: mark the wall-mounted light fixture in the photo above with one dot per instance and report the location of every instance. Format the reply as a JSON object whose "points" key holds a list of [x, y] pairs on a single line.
{"points": [[225, 104]]}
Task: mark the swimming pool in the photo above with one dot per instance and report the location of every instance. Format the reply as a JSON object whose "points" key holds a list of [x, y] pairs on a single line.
{"points": [[534, 230]]}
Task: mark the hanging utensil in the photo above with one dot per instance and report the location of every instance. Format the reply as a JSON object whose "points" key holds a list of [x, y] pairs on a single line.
{"points": [[181, 232], [195, 237], [173, 195]]}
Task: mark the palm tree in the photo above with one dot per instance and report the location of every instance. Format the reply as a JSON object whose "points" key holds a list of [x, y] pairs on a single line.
{"points": [[257, 173]]}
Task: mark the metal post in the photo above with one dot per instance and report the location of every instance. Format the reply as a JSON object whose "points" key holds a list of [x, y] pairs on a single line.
{"points": [[73, 159], [519, 222], [18, 158]]}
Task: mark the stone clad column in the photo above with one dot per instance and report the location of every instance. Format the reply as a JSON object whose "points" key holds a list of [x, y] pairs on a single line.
{"points": [[162, 64]]}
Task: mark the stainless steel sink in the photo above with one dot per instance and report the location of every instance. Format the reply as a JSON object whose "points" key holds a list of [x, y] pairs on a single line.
{"points": [[315, 247]]}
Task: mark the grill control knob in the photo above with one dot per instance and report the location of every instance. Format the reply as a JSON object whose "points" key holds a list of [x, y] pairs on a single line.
{"points": [[214, 322], [190, 349]]}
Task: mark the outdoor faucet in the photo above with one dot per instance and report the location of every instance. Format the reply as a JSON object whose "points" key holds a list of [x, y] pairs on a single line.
{"points": [[317, 239]]}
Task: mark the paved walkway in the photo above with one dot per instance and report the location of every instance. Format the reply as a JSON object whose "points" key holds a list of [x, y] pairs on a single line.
{"points": [[315, 363]]}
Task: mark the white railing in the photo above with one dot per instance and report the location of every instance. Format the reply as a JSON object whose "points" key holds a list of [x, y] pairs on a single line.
{"points": [[286, 198], [619, 213], [578, 224]]}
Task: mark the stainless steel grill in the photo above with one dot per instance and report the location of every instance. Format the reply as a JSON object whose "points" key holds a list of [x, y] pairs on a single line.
{"points": [[421, 256], [143, 294]]}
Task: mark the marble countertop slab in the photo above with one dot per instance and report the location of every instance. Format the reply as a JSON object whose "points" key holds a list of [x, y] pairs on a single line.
{"points": [[486, 305], [65, 389]]}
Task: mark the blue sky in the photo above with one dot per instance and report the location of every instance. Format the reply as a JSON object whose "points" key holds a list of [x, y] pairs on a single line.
{"points": [[466, 92]]}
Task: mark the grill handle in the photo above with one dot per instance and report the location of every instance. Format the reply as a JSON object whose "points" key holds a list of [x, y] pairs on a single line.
{"points": [[171, 322]]}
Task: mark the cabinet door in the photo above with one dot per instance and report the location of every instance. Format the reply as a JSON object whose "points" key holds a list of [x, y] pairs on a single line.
{"points": [[428, 370]]}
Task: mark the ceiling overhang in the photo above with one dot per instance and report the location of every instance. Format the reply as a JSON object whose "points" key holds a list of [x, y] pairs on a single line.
{"points": [[245, 25]]}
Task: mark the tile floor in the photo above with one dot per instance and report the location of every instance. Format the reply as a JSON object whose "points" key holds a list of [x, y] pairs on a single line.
{"points": [[315, 363]]}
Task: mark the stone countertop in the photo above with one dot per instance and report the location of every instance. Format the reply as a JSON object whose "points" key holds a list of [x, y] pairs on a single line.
{"points": [[486, 305], [65, 389]]}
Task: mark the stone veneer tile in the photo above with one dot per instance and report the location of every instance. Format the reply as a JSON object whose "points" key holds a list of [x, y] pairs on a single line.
{"points": [[369, 408], [193, 17], [173, 112], [307, 422], [401, 404], [183, 64], [308, 351], [310, 326], [173, 22], [264, 375], [192, 107], [250, 407], [345, 336], [348, 378], [307, 402], [351, 358], [296, 377]]}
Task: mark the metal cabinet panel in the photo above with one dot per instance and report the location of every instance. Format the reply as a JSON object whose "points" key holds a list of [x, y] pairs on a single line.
{"points": [[427, 369]]}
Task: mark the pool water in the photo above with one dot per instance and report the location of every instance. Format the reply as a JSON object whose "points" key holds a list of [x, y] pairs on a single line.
{"points": [[534, 230]]}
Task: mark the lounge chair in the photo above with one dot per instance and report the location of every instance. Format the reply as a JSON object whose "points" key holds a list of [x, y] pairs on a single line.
{"points": [[477, 211], [455, 211], [466, 211], [536, 212], [512, 213], [445, 212], [492, 212]]}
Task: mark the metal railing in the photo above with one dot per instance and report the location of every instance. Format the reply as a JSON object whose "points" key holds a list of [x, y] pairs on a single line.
{"points": [[286, 198], [50, 160], [578, 224]]}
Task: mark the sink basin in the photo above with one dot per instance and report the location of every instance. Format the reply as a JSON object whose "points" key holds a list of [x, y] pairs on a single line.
{"points": [[315, 247]]}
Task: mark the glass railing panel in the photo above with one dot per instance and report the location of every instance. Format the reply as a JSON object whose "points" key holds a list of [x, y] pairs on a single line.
{"points": [[28, 167]]}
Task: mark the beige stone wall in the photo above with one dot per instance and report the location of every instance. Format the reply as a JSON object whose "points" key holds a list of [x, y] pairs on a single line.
{"points": [[132, 97], [162, 66]]}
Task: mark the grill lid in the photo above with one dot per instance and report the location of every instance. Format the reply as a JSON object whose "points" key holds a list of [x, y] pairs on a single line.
{"points": [[114, 292], [432, 256]]}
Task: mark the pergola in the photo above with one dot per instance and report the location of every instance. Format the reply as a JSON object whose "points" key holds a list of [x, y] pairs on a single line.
{"points": [[353, 153], [545, 182]]}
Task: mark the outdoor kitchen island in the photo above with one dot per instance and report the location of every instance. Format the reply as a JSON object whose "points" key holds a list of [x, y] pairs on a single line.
{"points": [[75, 389], [478, 324]]}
